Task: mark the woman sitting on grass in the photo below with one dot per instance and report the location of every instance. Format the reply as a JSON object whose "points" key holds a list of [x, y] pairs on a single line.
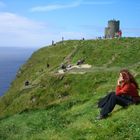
{"points": [[126, 94]]}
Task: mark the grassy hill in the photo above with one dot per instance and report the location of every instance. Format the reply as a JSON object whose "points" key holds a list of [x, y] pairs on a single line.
{"points": [[64, 106]]}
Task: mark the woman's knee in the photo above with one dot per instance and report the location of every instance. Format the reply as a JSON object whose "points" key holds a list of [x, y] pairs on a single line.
{"points": [[113, 96], [111, 93]]}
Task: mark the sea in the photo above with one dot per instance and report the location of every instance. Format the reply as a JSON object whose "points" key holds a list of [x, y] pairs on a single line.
{"points": [[11, 59]]}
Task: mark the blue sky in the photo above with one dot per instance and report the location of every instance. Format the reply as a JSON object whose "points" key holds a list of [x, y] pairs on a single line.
{"points": [[35, 23]]}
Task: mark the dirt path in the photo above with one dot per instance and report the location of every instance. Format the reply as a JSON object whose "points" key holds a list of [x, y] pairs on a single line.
{"points": [[84, 68]]}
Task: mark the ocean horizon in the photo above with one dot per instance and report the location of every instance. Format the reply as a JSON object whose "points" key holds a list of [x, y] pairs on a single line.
{"points": [[11, 59]]}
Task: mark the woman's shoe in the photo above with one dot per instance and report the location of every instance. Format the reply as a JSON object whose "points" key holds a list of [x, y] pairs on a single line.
{"points": [[102, 117]]}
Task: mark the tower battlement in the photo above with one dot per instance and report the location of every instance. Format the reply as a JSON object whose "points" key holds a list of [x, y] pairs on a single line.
{"points": [[113, 28]]}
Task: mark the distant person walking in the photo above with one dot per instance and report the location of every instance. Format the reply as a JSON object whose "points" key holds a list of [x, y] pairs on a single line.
{"points": [[119, 34], [126, 94]]}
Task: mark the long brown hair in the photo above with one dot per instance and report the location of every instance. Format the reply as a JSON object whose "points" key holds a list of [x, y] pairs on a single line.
{"points": [[128, 77]]}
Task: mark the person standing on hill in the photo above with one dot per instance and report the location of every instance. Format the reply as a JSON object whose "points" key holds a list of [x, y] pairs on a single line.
{"points": [[126, 94]]}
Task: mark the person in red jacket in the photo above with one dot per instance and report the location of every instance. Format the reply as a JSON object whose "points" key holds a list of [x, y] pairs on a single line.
{"points": [[126, 94]]}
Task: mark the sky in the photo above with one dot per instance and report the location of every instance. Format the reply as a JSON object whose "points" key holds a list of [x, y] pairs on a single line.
{"points": [[35, 23]]}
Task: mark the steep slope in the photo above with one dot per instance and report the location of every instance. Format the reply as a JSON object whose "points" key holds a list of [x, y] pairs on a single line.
{"points": [[63, 106]]}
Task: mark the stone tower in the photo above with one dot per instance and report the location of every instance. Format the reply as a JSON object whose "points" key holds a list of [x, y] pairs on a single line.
{"points": [[112, 29]]}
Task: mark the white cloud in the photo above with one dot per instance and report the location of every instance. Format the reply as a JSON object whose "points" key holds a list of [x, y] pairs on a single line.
{"points": [[95, 2], [71, 5], [12, 21], [22, 32], [54, 7], [2, 4], [133, 31], [72, 35]]}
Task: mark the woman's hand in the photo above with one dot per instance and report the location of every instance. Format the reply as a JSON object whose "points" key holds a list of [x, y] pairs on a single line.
{"points": [[120, 80]]}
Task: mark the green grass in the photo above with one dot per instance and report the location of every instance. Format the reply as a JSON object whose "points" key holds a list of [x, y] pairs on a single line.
{"points": [[64, 106], [71, 121]]}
